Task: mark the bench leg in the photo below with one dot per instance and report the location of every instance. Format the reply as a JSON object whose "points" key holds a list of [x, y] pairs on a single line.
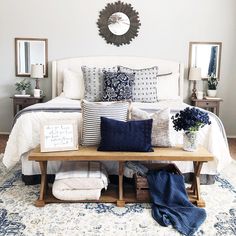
{"points": [[43, 186], [195, 187], [120, 202]]}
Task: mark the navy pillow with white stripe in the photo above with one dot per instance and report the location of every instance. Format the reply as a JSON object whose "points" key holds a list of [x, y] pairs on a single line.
{"points": [[92, 113]]}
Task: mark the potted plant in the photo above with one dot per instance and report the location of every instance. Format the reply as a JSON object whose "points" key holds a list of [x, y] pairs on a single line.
{"points": [[22, 86], [190, 120], [212, 86]]}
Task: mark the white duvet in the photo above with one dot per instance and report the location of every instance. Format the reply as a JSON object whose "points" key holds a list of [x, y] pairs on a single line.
{"points": [[25, 135]]}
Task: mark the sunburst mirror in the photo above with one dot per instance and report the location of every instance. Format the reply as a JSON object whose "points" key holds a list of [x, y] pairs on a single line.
{"points": [[118, 23]]}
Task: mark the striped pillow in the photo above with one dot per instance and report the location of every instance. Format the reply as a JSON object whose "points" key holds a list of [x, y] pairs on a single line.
{"points": [[92, 113]]}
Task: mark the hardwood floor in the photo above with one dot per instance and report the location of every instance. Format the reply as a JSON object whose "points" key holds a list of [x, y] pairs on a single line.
{"points": [[3, 142], [232, 144], [232, 147]]}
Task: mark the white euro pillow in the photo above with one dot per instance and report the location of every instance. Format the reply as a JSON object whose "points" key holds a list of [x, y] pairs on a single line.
{"points": [[73, 86]]}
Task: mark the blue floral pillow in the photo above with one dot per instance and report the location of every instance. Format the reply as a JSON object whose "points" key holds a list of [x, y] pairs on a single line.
{"points": [[130, 136], [117, 86]]}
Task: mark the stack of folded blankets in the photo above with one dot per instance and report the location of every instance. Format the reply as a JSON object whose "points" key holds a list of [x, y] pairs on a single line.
{"points": [[80, 181]]}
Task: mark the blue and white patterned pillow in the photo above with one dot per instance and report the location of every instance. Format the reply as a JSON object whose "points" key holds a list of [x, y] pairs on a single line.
{"points": [[93, 82], [145, 83], [117, 86]]}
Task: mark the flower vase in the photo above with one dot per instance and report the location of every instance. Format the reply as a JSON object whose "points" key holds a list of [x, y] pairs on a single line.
{"points": [[23, 92], [190, 141]]}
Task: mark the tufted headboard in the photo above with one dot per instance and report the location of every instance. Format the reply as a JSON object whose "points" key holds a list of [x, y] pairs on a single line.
{"points": [[169, 85]]}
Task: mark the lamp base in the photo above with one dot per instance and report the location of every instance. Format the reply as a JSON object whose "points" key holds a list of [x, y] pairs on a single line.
{"points": [[194, 95], [37, 84]]}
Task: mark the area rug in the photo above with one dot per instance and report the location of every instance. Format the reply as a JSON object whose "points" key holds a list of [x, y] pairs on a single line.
{"points": [[19, 216]]}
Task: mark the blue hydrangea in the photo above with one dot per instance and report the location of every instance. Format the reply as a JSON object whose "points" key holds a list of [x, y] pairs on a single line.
{"points": [[190, 119]]}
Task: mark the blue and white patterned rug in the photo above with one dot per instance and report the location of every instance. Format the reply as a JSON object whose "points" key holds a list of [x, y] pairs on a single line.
{"points": [[19, 216]]}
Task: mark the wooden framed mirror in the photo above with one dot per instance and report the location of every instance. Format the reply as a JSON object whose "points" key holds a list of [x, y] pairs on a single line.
{"points": [[118, 23], [30, 51], [207, 56]]}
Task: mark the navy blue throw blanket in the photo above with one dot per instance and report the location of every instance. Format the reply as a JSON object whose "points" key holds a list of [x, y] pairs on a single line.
{"points": [[171, 205]]}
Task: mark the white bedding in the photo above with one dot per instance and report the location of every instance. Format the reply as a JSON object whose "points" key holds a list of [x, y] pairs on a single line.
{"points": [[25, 136]]}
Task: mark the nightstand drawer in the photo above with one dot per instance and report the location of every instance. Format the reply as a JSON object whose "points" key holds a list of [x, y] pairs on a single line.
{"points": [[24, 101], [206, 103]]}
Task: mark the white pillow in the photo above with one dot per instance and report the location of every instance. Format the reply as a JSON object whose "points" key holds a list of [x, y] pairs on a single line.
{"points": [[160, 127], [168, 87], [73, 86]]}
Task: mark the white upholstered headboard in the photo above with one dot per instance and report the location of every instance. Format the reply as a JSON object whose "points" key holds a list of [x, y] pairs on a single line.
{"points": [[169, 86]]}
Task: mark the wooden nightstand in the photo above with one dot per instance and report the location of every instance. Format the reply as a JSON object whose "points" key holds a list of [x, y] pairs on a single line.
{"points": [[20, 103], [212, 104]]}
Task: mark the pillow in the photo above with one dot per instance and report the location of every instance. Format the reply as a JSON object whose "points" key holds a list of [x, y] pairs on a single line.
{"points": [[73, 85], [172, 82], [117, 86], [131, 136], [145, 83], [93, 82], [91, 114], [160, 128]]}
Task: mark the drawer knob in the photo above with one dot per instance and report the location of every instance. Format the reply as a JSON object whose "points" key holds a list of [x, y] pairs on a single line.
{"points": [[207, 103]]}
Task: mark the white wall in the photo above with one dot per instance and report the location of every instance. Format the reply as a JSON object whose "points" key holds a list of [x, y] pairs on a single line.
{"points": [[167, 27]]}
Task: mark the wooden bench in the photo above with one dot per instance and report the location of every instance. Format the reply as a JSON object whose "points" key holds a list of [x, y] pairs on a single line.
{"points": [[119, 195]]}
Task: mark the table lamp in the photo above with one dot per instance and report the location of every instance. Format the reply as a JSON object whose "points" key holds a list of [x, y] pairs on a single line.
{"points": [[37, 73], [194, 75]]}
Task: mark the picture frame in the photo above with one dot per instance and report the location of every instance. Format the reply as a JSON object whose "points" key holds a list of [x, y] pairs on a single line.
{"points": [[59, 135]]}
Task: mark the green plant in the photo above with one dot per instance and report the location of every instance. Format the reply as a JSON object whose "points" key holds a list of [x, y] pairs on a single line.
{"points": [[22, 85], [212, 83]]}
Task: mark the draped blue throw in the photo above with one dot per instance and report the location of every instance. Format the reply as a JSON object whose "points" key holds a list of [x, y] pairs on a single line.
{"points": [[170, 202]]}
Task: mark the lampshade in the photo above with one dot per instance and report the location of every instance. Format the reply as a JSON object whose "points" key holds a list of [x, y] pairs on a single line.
{"points": [[36, 71], [195, 73]]}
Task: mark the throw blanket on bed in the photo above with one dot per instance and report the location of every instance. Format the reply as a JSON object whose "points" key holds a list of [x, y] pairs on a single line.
{"points": [[170, 203]]}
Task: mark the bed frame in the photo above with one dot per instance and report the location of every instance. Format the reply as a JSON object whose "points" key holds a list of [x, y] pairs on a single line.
{"points": [[169, 84]]}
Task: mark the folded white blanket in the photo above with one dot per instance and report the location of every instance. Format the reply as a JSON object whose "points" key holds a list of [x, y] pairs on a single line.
{"points": [[62, 193], [82, 175]]}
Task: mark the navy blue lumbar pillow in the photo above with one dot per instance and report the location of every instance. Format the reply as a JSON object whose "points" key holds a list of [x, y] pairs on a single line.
{"points": [[130, 136]]}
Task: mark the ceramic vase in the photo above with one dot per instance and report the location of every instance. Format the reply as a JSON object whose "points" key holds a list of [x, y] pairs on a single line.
{"points": [[211, 93], [23, 92], [190, 141]]}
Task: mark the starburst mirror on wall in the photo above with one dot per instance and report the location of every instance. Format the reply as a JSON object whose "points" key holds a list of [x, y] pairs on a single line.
{"points": [[118, 23]]}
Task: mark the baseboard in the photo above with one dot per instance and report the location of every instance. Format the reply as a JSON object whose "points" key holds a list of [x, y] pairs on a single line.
{"points": [[5, 133], [231, 136]]}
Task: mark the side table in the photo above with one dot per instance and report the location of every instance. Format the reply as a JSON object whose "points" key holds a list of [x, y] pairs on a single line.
{"points": [[212, 104], [20, 103]]}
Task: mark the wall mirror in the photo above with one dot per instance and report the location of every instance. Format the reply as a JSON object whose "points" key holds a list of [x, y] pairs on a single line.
{"points": [[118, 23], [30, 51], [207, 56]]}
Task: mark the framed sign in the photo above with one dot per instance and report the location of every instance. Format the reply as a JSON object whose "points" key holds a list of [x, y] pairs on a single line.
{"points": [[59, 135]]}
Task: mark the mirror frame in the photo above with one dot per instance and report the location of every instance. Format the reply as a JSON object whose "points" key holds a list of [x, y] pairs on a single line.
{"points": [[105, 32], [205, 43], [16, 55]]}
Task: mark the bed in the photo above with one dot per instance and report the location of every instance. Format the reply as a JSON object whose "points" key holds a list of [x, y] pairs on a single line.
{"points": [[25, 134]]}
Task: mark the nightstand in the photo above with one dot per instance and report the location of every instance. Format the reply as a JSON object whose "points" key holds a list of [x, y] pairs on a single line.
{"points": [[212, 104], [20, 103]]}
